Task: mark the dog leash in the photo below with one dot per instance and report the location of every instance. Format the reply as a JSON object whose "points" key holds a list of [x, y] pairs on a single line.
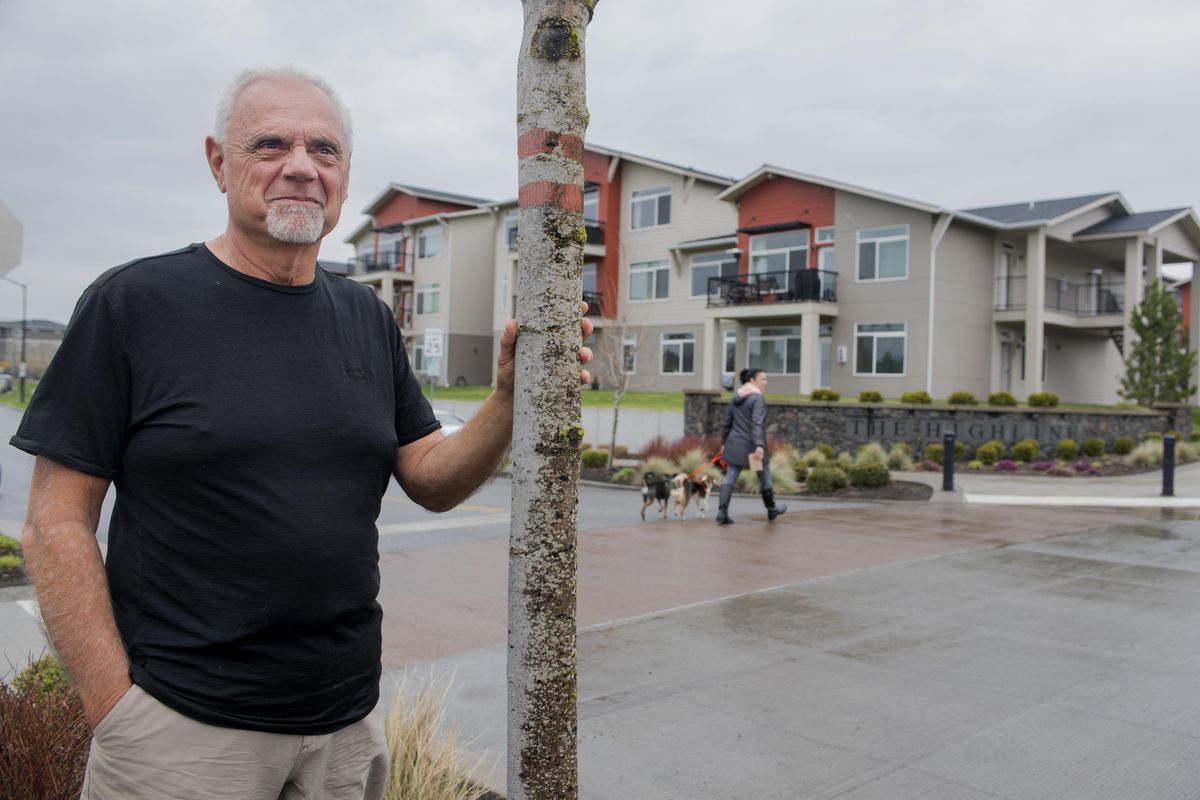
{"points": [[712, 461]]}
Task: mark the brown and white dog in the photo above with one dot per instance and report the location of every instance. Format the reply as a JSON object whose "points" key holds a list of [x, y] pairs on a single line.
{"points": [[655, 490], [684, 489]]}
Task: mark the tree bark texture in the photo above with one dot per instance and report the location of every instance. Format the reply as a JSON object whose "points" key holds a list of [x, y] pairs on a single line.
{"points": [[547, 432]]}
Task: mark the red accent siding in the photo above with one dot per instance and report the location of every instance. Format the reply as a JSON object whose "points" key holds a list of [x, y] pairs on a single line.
{"points": [[403, 207], [778, 200], [608, 269]]}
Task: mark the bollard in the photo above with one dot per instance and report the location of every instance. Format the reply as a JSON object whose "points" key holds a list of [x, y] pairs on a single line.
{"points": [[1168, 466], [948, 463]]}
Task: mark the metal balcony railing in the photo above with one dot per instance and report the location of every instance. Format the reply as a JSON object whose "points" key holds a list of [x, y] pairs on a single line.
{"points": [[595, 234], [381, 263], [796, 286], [1067, 297]]}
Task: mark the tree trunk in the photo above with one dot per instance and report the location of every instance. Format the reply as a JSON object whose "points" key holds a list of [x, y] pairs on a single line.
{"points": [[612, 443], [551, 120]]}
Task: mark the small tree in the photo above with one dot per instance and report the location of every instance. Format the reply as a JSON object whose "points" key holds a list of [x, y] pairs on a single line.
{"points": [[615, 370], [1159, 365]]}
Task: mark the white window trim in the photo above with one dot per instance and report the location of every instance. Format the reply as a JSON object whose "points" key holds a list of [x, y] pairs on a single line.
{"points": [[858, 240], [726, 337], [818, 235], [422, 233], [730, 259], [649, 266], [662, 344], [630, 340], [874, 335], [651, 193], [778, 338], [428, 289]]}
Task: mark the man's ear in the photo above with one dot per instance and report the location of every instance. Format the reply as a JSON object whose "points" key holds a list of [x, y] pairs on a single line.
{"points": [[216, 161]]}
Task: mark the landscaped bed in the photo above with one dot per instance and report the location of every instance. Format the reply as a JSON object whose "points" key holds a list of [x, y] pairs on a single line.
{"points": [[12, 565]]}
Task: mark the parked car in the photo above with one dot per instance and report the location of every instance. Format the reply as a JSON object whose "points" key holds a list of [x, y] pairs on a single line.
{"points": [[450, 422], [6, 382]]}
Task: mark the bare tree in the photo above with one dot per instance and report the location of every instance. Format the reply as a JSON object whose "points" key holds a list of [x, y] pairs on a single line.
{"points": [[613, 366], [551, 120]]}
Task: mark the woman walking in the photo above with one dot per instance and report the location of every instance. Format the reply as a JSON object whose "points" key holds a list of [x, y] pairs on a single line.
{"points": [[745, 437]]}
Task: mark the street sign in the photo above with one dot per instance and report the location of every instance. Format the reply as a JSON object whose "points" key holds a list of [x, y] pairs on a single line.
{"points": [[433, 343]]}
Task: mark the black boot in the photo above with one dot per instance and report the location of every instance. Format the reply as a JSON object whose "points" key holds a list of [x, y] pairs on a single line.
{"points": [[723, 515], [773, 511]]}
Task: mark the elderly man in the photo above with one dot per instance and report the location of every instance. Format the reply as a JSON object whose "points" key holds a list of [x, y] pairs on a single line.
{"points": [[250, 410]]}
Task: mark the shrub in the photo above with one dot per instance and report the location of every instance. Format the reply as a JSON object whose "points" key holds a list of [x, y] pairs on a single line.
{"points": [[870, 396], [1042, 466], [1067, 450], [828, 395], [800, 471], [620, 451], [1043, 399], [826, 478], [44, 733], [920, 397], [1187, 451], [871, 453], [975, 465], [426, 758], [1007, 465], [1026, 450], [1060, 471], [1123, 446], [9, 544], [935, 453], [899, 458], [623, 475], [1093, 446], [783, 476], [844, 459], [960, 450], [1001, 398], [594, 458], [748, 482], [869, 475], [1152, 436], [962, 399], [673, 449], [659, 466], [825, 449], [990, 452], [813, 458], [1179, 437], [928, 466], [692, 460], [1146, 454], [1085, 468]]}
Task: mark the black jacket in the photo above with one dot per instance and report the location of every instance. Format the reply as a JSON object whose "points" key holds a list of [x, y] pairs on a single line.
{"points": [[744, 428]]}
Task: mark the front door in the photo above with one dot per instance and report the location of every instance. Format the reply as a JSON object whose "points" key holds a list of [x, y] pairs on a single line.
{"points": [[1006, 357]]}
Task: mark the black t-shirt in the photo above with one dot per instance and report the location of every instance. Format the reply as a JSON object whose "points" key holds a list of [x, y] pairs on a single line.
{"points": [[250, 430]]}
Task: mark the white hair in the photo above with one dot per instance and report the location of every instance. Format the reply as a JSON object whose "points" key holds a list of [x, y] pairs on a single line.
{"points": [[287, 73]]}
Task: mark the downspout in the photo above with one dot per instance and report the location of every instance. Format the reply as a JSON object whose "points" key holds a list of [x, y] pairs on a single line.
{"points": [[939, 232], [444, 367]]}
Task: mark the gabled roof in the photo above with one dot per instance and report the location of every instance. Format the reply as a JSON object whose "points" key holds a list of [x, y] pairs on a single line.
{"points": [[1042, 212], [428, 194], [766, 171], [711, 177], [1129, 224]]}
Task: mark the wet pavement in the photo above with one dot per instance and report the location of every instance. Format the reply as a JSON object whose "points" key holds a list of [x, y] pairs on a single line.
{"points": [[940, 651]]}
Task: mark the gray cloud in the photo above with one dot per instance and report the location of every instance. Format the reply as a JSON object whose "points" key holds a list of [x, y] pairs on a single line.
{"points": [[106, 104]]}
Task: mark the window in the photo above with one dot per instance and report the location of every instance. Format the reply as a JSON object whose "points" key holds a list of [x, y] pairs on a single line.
{"points": [[418, 358], [427, 298], [510, 230], [779, 254], [826, 260], [730, 352], [650, 207], [883, 254], [629, 355], [824, 235], [429, 241], [504, 293], [591, 206], [879, 348], [648, 280], [678, 353], [711, 265], [589, 278], [776, 350]]}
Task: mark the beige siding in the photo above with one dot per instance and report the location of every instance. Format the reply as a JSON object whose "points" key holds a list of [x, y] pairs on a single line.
{"points": [[1082, 367], [963, 311], [904, 301], [471, 246], [649, 359]]}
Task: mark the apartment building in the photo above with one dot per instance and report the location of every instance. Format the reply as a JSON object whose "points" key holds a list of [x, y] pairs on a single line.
{"points": [[694, 275], [430, 257]]}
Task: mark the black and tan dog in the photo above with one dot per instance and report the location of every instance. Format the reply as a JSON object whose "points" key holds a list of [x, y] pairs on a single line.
{"points": [[655, 490], [685, 489]]}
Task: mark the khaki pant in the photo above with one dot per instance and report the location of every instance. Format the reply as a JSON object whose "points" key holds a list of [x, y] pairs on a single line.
{"points": [[145, 751]]}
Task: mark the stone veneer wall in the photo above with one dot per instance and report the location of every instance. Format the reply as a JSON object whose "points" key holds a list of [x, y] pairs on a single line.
{"points": [[845, 426]]}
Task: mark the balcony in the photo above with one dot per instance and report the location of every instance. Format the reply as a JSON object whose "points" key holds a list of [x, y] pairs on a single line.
{"points": [[1065, 297], [595, 301], [384, 262], [594, 228], [797, 286]]}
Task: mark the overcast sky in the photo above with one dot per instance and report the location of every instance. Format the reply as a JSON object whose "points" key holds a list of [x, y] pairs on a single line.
{"points": [[105, 105]]}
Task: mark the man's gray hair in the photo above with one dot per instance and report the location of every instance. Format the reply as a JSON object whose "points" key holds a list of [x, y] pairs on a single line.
{"points": [[287, 73]]}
